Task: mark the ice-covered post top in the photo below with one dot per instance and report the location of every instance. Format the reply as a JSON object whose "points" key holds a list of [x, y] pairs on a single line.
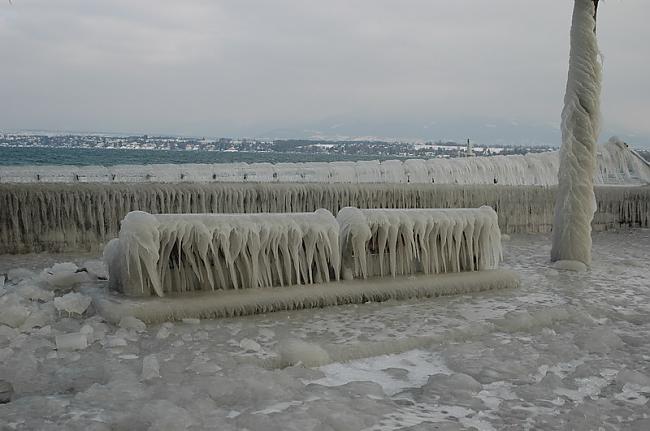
{"points": [[575, 202]]}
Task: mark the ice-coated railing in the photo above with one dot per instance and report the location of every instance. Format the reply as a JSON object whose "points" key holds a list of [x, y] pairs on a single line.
{"points": [[73, 217], [616, 165]]}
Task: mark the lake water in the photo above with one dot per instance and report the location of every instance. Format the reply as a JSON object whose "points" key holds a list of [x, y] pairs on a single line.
{"points": [[109, 157]]}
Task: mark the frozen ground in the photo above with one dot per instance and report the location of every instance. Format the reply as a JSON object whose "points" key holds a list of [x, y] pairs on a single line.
{"points": [[566, 351]]}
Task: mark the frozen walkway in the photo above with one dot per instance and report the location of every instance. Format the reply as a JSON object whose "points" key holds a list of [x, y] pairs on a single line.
{"points": [[565, 351]]}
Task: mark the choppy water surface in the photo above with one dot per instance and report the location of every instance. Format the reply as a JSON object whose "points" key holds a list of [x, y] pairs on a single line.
{"points": [[109, 157]]}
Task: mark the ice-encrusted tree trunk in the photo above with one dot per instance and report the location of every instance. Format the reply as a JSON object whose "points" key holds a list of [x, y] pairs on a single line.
{"points": [[575, 202]]}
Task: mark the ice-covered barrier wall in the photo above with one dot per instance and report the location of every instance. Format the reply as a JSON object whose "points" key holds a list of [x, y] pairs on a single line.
{"points": [[66, 217], [178, 253], [616, 165], [380, 242]]}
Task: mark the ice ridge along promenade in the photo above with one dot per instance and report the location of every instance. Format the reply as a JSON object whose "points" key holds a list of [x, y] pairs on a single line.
{"points": [[617, 164]]}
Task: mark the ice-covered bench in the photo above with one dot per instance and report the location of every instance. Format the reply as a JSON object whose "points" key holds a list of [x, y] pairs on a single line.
{"points": [[173, 266]]}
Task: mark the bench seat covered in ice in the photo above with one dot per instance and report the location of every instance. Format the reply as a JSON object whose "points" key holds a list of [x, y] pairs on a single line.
{"points": [[176, 253], [391, 242]]}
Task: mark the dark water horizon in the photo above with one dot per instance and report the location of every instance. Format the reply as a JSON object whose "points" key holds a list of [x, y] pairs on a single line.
{"points": [[23, 156]]}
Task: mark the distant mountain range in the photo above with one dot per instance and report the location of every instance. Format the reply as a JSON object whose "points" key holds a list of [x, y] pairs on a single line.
{"points": [[480, 131]]}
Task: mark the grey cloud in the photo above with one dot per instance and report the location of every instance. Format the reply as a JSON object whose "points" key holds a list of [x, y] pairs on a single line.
{"points": [[250, 67]]}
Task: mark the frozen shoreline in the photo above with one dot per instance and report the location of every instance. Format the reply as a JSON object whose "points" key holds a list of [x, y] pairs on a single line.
{"points": [[566, 350], [617, 164]]}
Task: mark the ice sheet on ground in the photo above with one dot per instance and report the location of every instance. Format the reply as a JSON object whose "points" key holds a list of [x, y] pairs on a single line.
{"points": [[565, 351]]}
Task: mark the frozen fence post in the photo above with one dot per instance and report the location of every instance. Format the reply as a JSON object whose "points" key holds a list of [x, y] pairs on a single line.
{"points": [[575, 202]]}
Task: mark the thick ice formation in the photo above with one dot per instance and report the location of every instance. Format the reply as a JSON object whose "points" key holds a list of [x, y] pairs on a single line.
{"points": [[576, 203], [617, 164], [169, 253], [378, 242], [72, 303], [66, 217]]}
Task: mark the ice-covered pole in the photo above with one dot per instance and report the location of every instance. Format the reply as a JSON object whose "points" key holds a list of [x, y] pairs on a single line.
{"points": [[575, 202]]}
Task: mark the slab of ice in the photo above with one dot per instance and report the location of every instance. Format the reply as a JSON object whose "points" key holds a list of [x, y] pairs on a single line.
{"points": [[13, 315], [34, 293], [72, 341], [130, 322], [250, 345], [150, 367], [72, 303]]}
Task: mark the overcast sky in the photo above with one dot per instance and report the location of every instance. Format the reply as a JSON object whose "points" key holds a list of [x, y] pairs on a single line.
{"points": [[400, 68]]}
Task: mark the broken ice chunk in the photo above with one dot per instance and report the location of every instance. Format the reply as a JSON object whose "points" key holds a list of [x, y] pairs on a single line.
{"points": [[16, 275], [72, 341], [163, 332], [150, 367], [34, 293], [96, 269], [113, 341], [130, 322], [37, 319], [63, 276], [72, 303], [249, 345], [13, 315]]}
